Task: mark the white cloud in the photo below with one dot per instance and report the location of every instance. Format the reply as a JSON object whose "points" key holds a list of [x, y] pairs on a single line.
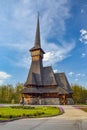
{"points": [[53, 25], [83, 36], [18, 47], [4, 76], [71, 73], [24, 62], [52, 20], [83, 55], [83, 31], [77, 75], [55, 71], [74, 74], [54, 53], [57, 53]]}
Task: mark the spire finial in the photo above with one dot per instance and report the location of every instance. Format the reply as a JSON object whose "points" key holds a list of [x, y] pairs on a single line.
{"points": [[37, 37]]}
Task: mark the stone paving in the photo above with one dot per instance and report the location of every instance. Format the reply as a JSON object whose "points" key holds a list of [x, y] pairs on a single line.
{"points": [[72, 119], [72, 112]]}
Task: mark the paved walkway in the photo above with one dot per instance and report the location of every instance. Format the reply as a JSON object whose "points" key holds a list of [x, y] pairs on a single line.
{"points": [[72, 119], [72, 112]]}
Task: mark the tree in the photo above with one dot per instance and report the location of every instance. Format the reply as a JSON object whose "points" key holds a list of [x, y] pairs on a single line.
{"points": [[79, 94], [18, 89], [11, 91], [4, 94], [10, 94]]}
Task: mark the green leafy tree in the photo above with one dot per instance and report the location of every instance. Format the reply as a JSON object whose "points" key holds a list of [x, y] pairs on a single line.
{"points": [[79, 94], [10, 94], [4, 94], [11, 91], [18, 89]]}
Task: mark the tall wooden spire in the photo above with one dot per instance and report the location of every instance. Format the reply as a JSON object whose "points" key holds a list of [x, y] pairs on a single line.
{"points": [[37, 37], [36, 69], [37, 43]]}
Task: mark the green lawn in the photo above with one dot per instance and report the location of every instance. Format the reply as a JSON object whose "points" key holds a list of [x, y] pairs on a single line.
{"points": [[7, 113]]}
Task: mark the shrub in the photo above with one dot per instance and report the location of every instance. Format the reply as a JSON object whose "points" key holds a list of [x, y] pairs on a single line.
{"points": [[22, 107]]}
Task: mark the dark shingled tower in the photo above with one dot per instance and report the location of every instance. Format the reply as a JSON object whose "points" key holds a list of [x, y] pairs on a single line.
{"points": [[36, 69], [43, 86]]}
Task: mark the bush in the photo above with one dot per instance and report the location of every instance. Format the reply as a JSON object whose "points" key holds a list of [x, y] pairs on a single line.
{"points": [[22, 107]]}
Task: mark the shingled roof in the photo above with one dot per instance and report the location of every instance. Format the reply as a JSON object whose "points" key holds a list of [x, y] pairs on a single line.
{"points": [[57, 83], [42, 79], [40, 90], [48, 76], [35, 74], [63, 82]]}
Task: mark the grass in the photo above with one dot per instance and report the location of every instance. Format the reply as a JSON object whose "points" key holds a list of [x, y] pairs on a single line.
{"points": [[15, 112]]}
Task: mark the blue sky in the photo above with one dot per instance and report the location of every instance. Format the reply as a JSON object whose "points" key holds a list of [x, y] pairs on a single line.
{"points": [[63, 27]]}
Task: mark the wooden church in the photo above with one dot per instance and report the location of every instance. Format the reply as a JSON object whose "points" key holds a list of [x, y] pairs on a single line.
{"points": [[43, 86]]}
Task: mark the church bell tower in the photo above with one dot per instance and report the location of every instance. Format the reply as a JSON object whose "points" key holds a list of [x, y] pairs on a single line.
{"points": [[36, 69]]}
